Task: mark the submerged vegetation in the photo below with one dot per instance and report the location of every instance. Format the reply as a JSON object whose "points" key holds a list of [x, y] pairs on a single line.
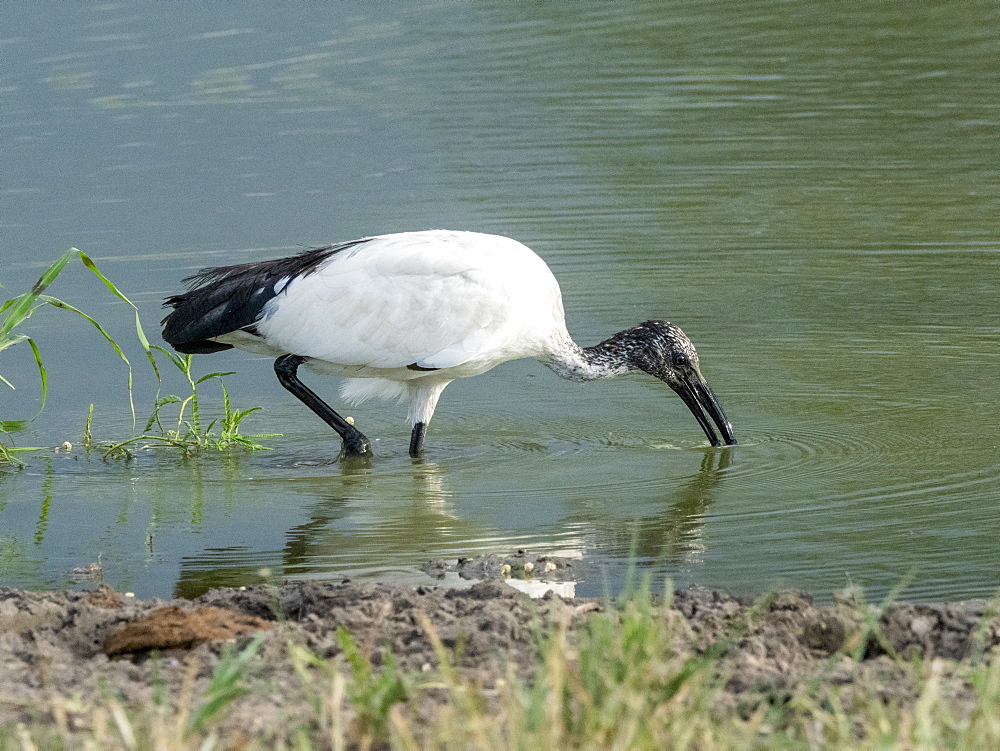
{"points": [[189, 434]]}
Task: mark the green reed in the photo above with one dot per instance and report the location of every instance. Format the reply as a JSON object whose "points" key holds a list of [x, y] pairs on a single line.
{"points": [[15, 311], [189, 434]]}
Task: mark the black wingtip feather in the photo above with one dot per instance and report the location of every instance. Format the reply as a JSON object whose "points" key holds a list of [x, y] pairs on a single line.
{"points": [[205, 347], [224, 299]]}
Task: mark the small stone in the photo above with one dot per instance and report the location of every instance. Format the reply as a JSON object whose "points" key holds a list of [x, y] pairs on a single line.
{"points": [[922, 625]]}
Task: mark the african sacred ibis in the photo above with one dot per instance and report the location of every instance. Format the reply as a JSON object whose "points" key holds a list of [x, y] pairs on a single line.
{"points": [[403, 315]]}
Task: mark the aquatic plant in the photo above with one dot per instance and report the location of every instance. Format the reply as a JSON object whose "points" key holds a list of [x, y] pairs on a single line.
{"points": [[188, 434], [17, 310]]}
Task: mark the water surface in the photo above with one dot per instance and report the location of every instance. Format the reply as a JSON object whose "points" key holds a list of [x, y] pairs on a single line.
{"points": [[810, 192]]}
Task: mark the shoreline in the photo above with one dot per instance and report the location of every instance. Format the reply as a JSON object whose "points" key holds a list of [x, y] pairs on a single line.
{"points": [[62, 654]]}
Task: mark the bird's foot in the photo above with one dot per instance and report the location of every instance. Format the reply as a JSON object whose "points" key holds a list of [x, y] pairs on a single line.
{"points": [[356, 445]]}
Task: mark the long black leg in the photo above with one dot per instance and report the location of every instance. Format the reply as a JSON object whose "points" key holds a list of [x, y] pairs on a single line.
{"points": [[286, 367], [417, 439]]}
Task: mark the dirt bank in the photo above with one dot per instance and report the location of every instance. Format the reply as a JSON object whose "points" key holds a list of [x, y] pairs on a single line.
{"points": [[96, 644]]}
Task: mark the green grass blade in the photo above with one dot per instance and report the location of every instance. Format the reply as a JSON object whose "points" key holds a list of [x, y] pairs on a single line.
{"points": [[120, 447], [214, 375], [56, 302], [22, 307], [176, 359], [227, 682], [10, 341], [18, 309], [41, 371], [7, 457], [143, 340], [88, 437]]}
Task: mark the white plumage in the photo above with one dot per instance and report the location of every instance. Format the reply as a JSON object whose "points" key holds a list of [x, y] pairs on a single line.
{"points": [[446, 300], [402, 315]]}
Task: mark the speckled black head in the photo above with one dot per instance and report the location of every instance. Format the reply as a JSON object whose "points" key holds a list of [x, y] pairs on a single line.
{"points": [[661, 349]]}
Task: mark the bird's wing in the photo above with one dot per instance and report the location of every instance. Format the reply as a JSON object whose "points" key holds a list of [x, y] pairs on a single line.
{"points": [[226, 299], [390, 306]]}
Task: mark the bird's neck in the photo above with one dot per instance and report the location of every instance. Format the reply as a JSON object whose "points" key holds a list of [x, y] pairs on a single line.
{"points": [[575, 363]]}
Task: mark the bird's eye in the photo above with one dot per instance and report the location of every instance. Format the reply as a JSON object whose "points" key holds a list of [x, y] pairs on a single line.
{"points": [[681, 360]]}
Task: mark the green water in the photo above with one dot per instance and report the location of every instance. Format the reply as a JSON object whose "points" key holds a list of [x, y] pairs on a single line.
{"points": [[809, 189]]}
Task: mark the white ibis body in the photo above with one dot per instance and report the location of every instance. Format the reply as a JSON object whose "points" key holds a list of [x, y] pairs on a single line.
{"points": [[403, 315]]}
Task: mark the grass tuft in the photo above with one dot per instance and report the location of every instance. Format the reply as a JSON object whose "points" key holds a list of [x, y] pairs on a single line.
{"points": [[226, 685], [372, 693], [188, 433], [17, 310]]}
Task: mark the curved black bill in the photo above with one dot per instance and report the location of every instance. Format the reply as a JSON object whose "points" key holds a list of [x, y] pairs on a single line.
{"points": [[699, 398]]}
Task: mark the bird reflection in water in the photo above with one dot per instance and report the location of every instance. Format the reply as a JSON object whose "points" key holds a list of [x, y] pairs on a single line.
{"points": [[675, 536]]}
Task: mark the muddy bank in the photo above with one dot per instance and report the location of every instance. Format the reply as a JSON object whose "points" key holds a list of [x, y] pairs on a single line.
{"points": [[97, 644]]}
